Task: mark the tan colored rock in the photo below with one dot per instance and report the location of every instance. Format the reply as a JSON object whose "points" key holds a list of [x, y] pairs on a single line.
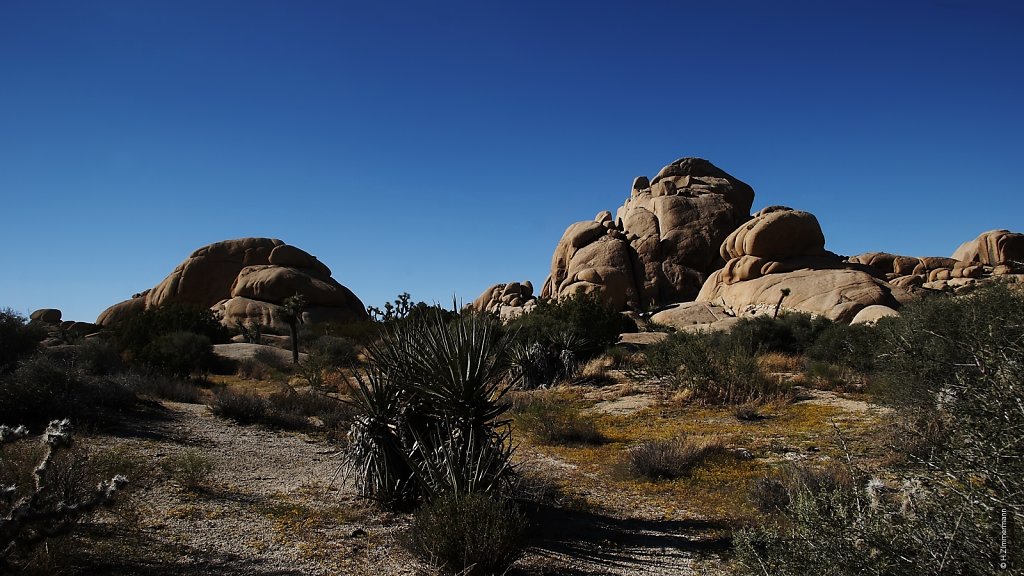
{"points": [[635, 340], [46, 315], [276, 283], [689, 313], [908, 282], [835, 294], [776, 235], [121, 311], [905, 265], [664, 240], [743, 268], [724, 325], [872, 314], [255, 275], [509, 300], [206, 276], [292, 257], [993, 248]]}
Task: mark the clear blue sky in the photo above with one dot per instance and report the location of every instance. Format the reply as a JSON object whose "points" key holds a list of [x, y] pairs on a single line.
{"points": [[440, 147]]}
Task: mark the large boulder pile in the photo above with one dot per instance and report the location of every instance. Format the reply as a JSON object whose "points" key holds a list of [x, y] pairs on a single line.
{"points": [[662, 243], [508, 301], [778, 260], [998, 254], [246, 280]]}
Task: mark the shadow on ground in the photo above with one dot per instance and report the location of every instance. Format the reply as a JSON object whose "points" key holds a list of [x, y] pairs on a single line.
{"points": [[595, 541]]}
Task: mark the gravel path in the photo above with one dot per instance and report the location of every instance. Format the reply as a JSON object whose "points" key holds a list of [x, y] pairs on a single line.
{"points": [[276, 503]]}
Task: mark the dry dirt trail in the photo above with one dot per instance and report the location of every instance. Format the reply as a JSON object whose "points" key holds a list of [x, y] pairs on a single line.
{"points": [[276, 503]]}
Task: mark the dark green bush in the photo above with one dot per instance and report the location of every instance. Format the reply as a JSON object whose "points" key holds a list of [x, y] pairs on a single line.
{"points": [[852, 346], [159, 386], [43, 389], [429, 412], [583, 320], [178, 354], [714, 371], [791, 333], [468, 534], [18, 338], [331, 351], [137, 333]]}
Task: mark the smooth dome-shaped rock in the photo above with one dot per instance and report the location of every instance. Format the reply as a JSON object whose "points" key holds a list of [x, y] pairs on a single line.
{"points": [[247, 280]]}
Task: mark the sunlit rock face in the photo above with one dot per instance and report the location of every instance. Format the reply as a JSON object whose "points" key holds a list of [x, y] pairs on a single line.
{"points": [[246, 280]]}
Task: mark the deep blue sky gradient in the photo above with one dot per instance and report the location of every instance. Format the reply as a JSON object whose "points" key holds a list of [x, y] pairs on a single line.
{"points": [[440, 147]]}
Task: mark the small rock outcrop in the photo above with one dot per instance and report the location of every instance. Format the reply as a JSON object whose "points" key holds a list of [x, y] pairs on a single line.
{"points": [[507, 300], [247, 280], [778, 260], [46, 316], [998, 254], [662, 243]]}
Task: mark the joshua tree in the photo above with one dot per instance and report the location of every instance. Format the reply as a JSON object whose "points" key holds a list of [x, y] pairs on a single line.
{"points": [[291, 314], [785, 292]]}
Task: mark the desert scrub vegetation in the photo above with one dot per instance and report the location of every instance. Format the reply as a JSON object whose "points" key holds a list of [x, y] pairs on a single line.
{"points": [[710, 370], [42, 389], [552, 418], [671, 458], [429, 432], [468, 534], [174, 339], [428, 411], [191, 469], [952, 369], [19, 338], [38, 502], [554, 340]]}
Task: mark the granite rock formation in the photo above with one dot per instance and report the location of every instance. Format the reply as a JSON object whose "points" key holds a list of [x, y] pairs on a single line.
{"points": [[246, 280]]}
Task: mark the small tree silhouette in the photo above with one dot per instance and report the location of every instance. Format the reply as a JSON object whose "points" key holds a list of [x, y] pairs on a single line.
{"points": [[291, 314], [785, 292]]}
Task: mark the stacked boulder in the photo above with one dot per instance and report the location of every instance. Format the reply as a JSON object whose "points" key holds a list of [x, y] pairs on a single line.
{"points": [[246, 280], [994, 254], [778, 261], [508, 301], [61, 330], [661, 244]]}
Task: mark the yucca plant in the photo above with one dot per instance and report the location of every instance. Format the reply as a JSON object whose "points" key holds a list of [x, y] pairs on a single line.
{"points": [[429, 413]]}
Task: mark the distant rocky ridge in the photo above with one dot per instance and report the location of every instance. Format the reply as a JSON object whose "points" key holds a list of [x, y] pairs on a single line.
{"points": [[685, 244], [247, 280]]}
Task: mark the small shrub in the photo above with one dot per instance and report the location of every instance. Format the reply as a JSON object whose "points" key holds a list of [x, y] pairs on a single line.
{"points": [[710, 371], [769, 495], [178, 354], [242, 407], [18, 338], [253, 369], [136, 333], [585, 318], [160, 386], [792, 333], [43, 389], [554, 420], [747, 412], [468, 534], [672, 458], [773, 362], [99, 357], [191, 469]]}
